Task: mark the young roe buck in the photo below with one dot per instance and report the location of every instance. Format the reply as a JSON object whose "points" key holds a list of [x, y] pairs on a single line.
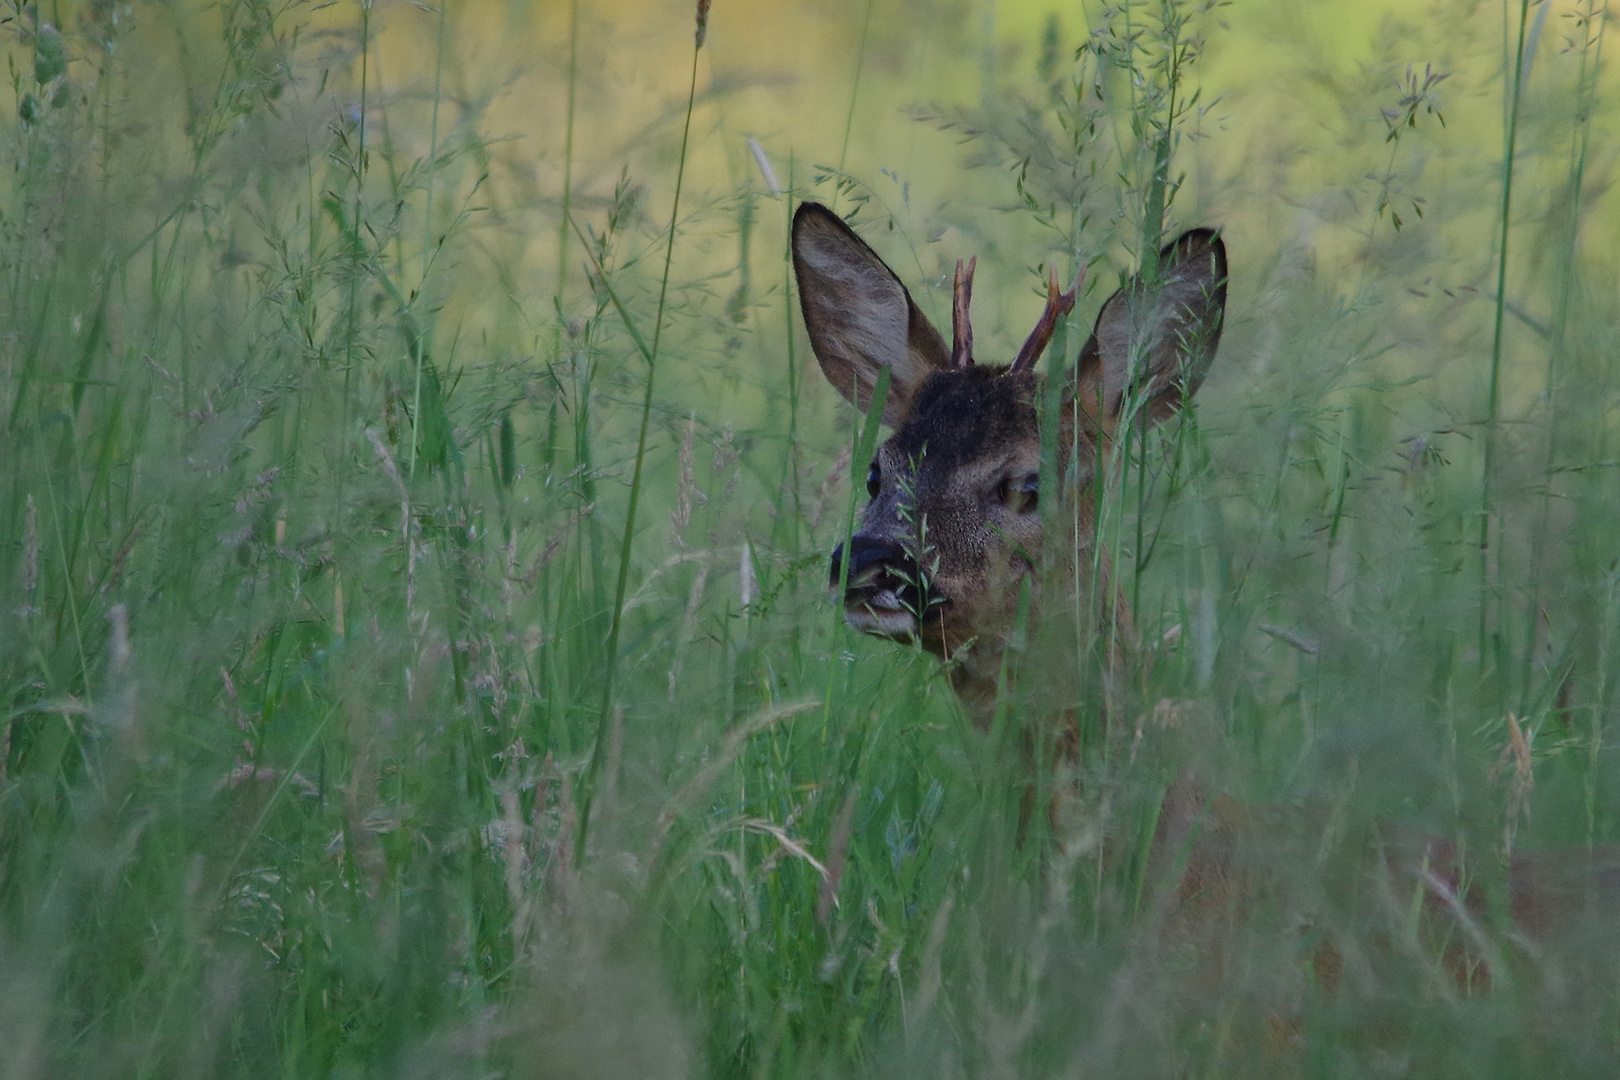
{"points": [[955, 524]]}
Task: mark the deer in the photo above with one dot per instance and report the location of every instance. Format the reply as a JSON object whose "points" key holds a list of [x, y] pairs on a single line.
{"points": [[956, 526]]}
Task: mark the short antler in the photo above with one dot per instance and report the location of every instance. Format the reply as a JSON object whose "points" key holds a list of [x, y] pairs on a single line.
{"points": [[961, 330], [1057, 305]]}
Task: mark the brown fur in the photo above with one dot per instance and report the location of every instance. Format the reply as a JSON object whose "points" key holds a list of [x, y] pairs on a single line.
{"points": [[1469, 922]]}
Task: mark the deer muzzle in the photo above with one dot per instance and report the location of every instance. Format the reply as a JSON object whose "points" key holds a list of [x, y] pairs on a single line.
{"points": [[887, 592]]}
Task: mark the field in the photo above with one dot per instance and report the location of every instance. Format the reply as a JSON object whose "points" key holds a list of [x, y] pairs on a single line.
{"points": [[416, 491]]}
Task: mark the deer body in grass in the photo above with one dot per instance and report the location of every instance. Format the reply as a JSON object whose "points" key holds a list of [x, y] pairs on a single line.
{"points": [[957, 523], [956, 526]]}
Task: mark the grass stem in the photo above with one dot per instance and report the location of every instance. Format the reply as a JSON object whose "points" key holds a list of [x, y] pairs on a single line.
{"points": [[626, 544]]}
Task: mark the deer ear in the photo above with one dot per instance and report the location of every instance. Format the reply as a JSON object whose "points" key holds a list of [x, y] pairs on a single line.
{"points": [[860, 318], [1155, 337]]}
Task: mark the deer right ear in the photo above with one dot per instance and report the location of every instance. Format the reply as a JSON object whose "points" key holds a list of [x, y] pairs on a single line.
{"points": [[1156, 336], [860, 318]]}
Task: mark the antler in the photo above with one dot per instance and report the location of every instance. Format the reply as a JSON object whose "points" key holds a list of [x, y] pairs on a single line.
{"points": [[1057, 305], [961, 330]]}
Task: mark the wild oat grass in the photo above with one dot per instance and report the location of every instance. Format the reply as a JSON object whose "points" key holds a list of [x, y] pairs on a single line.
{"points": [[400, 681]]}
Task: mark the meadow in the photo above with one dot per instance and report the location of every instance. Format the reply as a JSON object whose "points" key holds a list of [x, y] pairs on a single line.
{"points": [[416, 491]]}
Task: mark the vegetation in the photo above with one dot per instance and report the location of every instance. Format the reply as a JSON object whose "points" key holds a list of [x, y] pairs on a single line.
{"points": [[413, 632]]}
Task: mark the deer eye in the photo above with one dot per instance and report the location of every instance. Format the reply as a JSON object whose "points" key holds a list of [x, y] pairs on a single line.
{"points": [[1020, 494], [874, 479]]}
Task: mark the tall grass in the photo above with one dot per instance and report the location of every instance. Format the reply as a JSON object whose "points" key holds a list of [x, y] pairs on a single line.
{"points": [[399, 681]]}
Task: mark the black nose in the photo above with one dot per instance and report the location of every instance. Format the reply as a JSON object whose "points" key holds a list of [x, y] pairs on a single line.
{"points": [[882, 566], [869, 553]]}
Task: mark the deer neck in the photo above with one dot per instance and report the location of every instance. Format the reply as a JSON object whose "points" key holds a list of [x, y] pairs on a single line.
{"points": [[975, 673], [989, 669]]}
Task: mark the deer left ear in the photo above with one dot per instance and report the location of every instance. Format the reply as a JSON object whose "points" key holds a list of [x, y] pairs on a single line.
{"points": [[1155, 338], [860, 318]]}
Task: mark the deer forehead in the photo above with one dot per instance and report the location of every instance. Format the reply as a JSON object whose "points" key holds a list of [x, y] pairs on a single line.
{"points": [[966, 422]]}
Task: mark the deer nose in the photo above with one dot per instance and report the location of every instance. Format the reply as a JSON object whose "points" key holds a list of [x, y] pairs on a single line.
{"points": [[866, 554]]}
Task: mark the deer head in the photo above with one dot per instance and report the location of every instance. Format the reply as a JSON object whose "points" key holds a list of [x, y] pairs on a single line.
{"points": [[956, 518]]}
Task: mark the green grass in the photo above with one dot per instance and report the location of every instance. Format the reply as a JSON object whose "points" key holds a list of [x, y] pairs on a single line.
{"points": [[348, 730]]}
